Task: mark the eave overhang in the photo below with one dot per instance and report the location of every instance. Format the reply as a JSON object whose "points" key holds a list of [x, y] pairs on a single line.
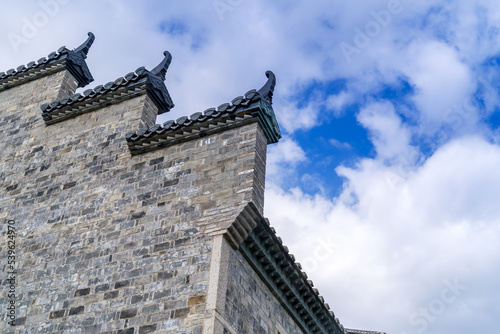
{"points": [[265, 252], [71, 60], [131, 85], [254, 106]]}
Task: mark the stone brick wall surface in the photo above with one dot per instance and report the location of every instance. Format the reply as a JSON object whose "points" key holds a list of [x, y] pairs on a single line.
{"points": [[107, 242], [250, 306]]}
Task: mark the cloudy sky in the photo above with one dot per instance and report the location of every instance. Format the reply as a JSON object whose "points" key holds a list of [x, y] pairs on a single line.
{"points": [[386, 183]]}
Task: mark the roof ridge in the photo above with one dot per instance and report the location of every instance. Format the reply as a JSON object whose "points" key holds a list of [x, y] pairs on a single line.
{"points": [[83, 49], [268, 89], [154, 85], [75, 58], [161, 69], [203, 116], [32, 64], [91, 92], [250, 102], [265, 92]]}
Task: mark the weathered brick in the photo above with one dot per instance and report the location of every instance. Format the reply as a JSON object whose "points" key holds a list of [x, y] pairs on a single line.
{"points": [[147, 329], [138, 215], [156, 161], [130, 330], [82, 292], [69, 185], [139, 298], [101, 288], [166, 275], [125, 314], [111, 294], [181, 313], [57, 314], [196, 300], [162, 246], [170, 183], [121, 284], [162, 294], [76, 310]]}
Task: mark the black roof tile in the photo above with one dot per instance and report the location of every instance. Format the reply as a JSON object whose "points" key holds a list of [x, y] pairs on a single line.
{"points": [[253, 106], [264, 250], [73, 60], [151, 82]]}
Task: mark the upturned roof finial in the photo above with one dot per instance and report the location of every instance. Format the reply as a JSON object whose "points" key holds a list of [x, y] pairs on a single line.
{"points": [[161, 69], [267, 90], [83, 49]]}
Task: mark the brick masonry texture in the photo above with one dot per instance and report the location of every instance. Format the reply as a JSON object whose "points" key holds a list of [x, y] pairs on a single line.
{"points": [[250, 306], [107, 242]]}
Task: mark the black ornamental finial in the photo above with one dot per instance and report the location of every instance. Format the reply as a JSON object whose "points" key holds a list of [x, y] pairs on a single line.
{"points": [[267, 90], [83, 49], [162, 67]]}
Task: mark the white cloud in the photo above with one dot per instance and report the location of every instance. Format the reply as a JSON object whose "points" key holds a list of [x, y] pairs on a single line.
{"points": [[442, 81], [399, 243], [390, 137], [340, 145], [293, 118], [338, 102], [400, 227], [282, 158]]}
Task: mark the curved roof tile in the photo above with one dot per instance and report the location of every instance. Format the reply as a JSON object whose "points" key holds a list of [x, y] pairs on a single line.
{"points": [[73, 60], [151, 83], [253, 106]]}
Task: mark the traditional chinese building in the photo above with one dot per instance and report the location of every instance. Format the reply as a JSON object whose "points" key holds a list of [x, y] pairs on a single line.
{"points": [[128, 226]]}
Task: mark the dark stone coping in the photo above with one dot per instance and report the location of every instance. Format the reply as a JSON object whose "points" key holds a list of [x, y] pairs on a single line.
{"points": [[265, 252], [133, 84], [252, 107], [72, 60], [358, 331]]}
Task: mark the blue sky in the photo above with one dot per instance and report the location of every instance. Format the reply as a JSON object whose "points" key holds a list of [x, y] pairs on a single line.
{"points": [[385, 185]]}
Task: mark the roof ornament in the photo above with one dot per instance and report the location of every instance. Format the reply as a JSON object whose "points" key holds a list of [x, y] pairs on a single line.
{"points": [[156, 86], [76, 62], [267, 117], [266, 92], [83, 49], [161, 69]]}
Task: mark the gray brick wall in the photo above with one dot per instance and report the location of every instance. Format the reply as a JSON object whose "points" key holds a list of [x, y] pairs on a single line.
{"points": [[107, 242], [250, 306]]}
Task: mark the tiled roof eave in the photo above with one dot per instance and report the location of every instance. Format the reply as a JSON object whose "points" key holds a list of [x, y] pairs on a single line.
{"points": [[33, 73], [256, 105], [157, 139], [265, 252], [131, 85], [79, 104], [72, 60]]}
